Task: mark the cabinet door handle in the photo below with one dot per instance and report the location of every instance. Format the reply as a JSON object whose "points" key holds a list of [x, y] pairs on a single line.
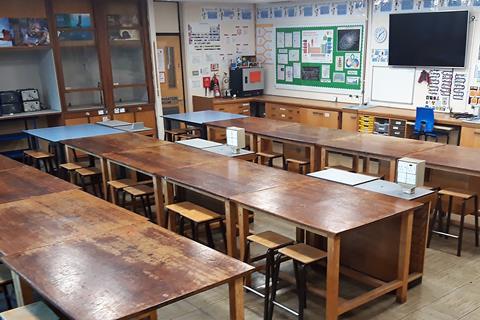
{"points": [[246, 110], [245, 104], [283, 109], [317, 113], [139, 109], [353, 117], [283, 116]]}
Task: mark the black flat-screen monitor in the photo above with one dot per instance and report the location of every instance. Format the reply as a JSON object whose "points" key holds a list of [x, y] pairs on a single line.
{"points": [[437, 39]]}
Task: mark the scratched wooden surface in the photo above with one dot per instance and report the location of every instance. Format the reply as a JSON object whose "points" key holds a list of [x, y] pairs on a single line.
{"points": [[227, 177], [252, 124], [114, 143], [51, 218], [378, 145], [24, 182], [325, 206], [7, 163], [162, 159], [117, 274]]}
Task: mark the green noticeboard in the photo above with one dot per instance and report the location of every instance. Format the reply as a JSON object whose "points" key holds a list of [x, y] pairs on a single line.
{"points": [[321, 57]]}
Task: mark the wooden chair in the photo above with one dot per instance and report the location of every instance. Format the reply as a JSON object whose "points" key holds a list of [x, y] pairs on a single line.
{"points": [[272, 241], [303, 165], [5, 281], [142, 192], [464, 197], [302, 255], [197, 216], [38, 158], [34, 311], [269, 156], [90, 177]]}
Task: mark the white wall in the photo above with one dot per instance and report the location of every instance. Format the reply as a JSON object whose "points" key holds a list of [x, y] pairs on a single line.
{"points": [[166, 17]]}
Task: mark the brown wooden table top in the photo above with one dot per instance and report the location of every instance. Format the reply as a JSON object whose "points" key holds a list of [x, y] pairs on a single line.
{"points": [[227, 177], [48, 219], [252, 124], [325, 207], [452, 158], [301, 133], [7, 163], [124, 272], [24, 182], [100, 145], [378, 145], [162, 159]]}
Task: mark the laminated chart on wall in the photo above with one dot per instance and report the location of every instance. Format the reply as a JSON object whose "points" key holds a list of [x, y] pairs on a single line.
{"points": [[320, 57]]}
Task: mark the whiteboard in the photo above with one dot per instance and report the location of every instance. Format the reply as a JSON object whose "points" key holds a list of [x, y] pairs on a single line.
{"points": [[393, 84]]}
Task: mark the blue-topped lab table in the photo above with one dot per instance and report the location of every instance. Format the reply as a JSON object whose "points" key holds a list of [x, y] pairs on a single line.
{"points": [[54, 135], [199, 119]]}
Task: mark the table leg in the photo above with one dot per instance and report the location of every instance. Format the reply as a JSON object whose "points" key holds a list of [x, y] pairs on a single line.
{"points": [[404, 255], [231, 218], [112, 176], [159, 204], [203, 132], [209, 133], [235, 289], [23, 292], [323, 158], [366, 165], [333, 278], [103, 166], [253, 143], [243, 231], [168, 199], [392, 170], [313, 158]]}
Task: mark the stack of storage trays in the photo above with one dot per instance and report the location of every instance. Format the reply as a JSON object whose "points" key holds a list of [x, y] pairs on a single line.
{"points": [[398, 128], [381, 126], [366, 124]]}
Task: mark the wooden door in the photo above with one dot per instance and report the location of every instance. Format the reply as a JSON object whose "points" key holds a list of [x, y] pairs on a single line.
{"points": [[170, 75]]}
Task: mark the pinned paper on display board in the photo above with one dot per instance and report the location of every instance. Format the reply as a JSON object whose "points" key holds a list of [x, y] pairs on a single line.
{"points": [[339, 63], [281, 72], [339, 77], [280, 40], [296, 42], [210, 14], [293, 55], [288, 40], [474, 96], [380, 56], [161, 77], [289, 74], [325, 71], [352, 61], [317, 46], [297, 71]]}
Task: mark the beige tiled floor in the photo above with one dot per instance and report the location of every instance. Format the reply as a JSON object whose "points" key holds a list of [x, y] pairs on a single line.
{"points": [[450, 290]]}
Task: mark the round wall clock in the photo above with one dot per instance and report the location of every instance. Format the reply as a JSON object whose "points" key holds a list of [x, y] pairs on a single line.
{"points": [[380, 34]]}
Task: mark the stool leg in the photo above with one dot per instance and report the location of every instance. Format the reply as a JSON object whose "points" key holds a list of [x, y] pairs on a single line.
{"points": [[194, 231], [270, 256], [208, 231], [476, 220], [149, 208], [270, 162], [285, 165], [182, 226], [224, 234], [449, 215], [275, 276], [94, 187], [144, 205], [436, 212], [82, 183], [99, 185], [124, 199], [7, 297], [460, 235]]}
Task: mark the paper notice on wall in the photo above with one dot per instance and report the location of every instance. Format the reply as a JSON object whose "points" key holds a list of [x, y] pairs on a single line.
{"points": [[297, 70], [196, 83], [161, 60], [161, 77], [282, 59], [280, 40], [289, 74], [296, 39], [281, 72], [204, 37], [288, 40], [293, 55], [317, 46], [264, 43]]}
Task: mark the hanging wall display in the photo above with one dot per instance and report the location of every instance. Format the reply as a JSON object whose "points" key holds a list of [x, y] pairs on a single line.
{"points": [[320, 57]]}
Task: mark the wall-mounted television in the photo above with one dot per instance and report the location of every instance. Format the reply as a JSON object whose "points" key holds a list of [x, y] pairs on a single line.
{"points": [[431, 39]]}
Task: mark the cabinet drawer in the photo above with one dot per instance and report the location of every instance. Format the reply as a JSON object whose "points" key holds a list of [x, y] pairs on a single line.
{"points": [[281, 112], [349, 122], [240, 108], [470, 137], [400, 123], [320, 118]]}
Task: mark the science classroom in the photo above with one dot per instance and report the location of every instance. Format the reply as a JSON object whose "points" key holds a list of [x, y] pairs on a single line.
{"points": [[193, 160]]}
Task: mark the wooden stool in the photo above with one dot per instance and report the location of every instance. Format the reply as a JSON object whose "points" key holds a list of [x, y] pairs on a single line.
{"points": [[69, 169], [464, 197], [198, 215], [116, 187], [170, 135], [143, 192], [272, 241], [302, 256], [36, 158], [5, 281], [269, 157], [34, 311], [303, 165], [95, 177], [187, 136]]}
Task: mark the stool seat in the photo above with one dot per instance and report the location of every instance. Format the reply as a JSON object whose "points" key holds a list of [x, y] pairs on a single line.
{"points": [[139, 190], [457, 193], [71, 166], [194, 212], [269, 155], [38, 154], [122, 183], [34, 311], [297, 161], [303, 253], [270, 239], [188, 136], [86, 172], [177, 131]]}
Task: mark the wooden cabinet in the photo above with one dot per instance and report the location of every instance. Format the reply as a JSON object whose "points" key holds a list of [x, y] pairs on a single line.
{"points": [[82, 118], [470, 137], [320, 118], [237, 108], [350, 121], [127, 117], [282, 112]]}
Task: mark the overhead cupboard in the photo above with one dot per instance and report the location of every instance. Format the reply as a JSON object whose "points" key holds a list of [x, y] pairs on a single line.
{"points": [[96, 61]]}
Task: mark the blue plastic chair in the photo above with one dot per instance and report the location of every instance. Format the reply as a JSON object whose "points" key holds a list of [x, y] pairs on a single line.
{"points": [[424, 124]]}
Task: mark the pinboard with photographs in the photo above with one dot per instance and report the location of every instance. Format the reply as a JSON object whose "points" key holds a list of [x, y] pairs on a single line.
{"points": [[320, 57], [123, 27], [21, 32], [74, 27]]}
